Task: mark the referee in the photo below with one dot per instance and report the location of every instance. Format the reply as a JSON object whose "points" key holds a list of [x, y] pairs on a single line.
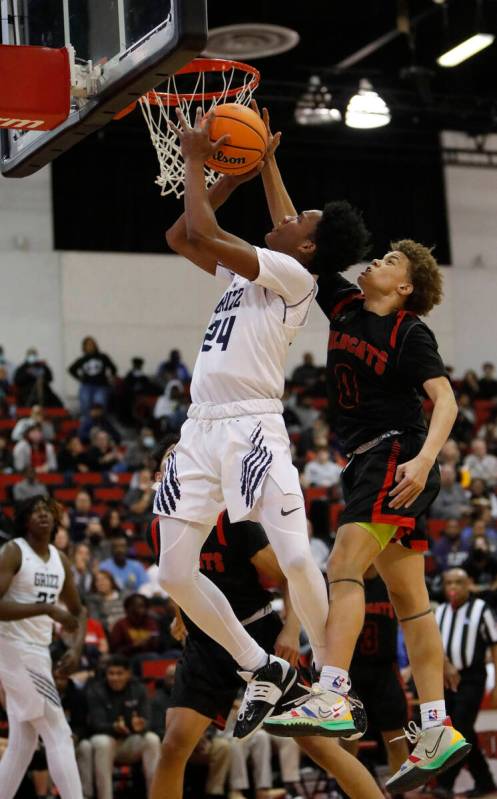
{"points": [[468, 627]]}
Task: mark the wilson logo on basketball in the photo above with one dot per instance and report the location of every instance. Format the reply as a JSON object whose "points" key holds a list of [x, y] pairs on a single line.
{"points": [[222, 158], [29, 124]]}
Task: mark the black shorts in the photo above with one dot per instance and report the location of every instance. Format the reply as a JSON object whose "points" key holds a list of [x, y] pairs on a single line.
{"points": [[380, 690], [368, 479], [206, 676]]}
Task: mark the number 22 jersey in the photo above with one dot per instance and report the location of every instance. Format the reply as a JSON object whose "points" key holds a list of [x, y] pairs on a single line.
{"points": [[245, 348]]}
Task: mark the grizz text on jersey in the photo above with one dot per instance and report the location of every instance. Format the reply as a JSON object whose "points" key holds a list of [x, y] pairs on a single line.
{"points": [[46, 580]]}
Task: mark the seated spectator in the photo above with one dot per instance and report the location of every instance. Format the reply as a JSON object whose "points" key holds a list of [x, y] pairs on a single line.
{"points": [[450, 453], [103, 455], [75, 707], [81, 515], [170, 408], [29, 487], [81, 569], [306, 411], [307, 373], [450, 550], [100, 546], [487, 384], [464, 425], [34, 451], [173, 369], [138, 452], [95, 372], [488, 432], [118, 719], [138, 633], [321, 471], [32, 380], [469, 384], [96, 646], [36, 418], [140, 499], [5, 392], [112, 524], [452, 500], [98, 420], [72, 456], [136, 385], [161, 702], [480, 528], [128, 573], [104, 603], [480, 464], [481, 498], [481, 566], [6, 461], [313, 437], [62, 541], [6, 364], [152, 588]]}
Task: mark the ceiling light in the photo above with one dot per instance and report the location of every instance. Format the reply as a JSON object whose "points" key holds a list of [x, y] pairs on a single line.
{"points": [[367, 109], [466, 49], [315, 106]]}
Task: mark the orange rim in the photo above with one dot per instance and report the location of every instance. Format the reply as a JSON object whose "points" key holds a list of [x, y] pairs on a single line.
{"points": [[207, 65]]}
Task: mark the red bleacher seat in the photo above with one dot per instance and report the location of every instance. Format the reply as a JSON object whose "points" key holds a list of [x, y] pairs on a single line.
{"points": [[312, 493], [435, 527], [51, 479], [56, 413], [320, 403], [7, 424], [155, 669], [8, 510], [109, 494], [67, 426], [21, 412], [124, 478], [483, 410], [87, 478], [65, 494], [142, 550], [10, 479]]}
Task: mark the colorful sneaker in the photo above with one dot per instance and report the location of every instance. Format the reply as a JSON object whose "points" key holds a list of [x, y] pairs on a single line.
{"points": [[319, 712], [437, 748], [358, 715], [265, 687]]}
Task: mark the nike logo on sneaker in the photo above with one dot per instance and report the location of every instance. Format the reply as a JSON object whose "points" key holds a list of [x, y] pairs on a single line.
{"points": [[325, 714], [288, 512], [430, 754]]}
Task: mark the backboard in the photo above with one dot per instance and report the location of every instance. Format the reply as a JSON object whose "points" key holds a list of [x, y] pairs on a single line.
{"points": [[127, 47]]}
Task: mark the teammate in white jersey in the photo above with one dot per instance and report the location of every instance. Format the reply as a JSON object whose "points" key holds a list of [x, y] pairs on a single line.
{"points": [[34, 576], [234, 450]]}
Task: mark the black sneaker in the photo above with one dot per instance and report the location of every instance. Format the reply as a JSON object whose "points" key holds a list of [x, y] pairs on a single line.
{"points": [[265, 688], [359, 716]]}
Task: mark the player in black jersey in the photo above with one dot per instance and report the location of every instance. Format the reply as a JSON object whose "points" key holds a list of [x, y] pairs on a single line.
{"points": [[375, 673], [235, 556], [381, 358]]}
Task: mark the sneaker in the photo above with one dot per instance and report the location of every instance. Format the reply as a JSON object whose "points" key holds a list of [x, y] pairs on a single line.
{"points": [[481, 791], [319, 712], [359, 717], [437, 748], [265, 687]]}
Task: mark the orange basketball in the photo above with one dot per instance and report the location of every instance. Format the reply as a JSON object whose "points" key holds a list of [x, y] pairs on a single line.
{"points": [[248, 142]]}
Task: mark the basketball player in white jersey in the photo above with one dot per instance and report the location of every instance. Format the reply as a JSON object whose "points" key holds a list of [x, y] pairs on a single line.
{"points": [[34, 576], [234, 450]]}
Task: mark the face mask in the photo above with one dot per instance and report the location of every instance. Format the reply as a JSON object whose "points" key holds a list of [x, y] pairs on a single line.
{"points": [[148, 442], [32, 358], [95, 538]]}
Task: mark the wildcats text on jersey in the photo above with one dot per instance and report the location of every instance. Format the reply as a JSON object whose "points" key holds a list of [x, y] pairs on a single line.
{"points": [[372, 356]]}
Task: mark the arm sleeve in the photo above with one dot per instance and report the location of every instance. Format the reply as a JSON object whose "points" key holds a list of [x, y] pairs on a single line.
{"points": [[418, 359], [334, 290], [284, 275]]}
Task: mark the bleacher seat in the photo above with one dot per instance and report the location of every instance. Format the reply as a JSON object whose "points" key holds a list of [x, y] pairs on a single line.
{"points": [[124, 478], [87, 478], [51, 478], [336, 509], [483, 410], [65, 494], [109, 494], [435, 527], [156, 668], [312, 493], [7, 424]]}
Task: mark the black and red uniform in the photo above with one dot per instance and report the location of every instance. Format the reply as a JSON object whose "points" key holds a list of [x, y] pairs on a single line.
{"points": [[376, 369], [374, 671], [206, 677]]}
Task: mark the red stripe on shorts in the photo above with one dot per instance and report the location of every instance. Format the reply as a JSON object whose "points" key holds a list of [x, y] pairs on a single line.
{"points": [[220, 529], [387, 518]]}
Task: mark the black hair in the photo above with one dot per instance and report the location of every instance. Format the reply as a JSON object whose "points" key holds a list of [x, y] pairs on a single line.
{"points": [[163, 445], [118, 661], [341, 237], [25, 509], [131, 598]]}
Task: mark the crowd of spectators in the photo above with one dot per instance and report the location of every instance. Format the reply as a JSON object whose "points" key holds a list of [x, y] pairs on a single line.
{"points": [[100, 465]]}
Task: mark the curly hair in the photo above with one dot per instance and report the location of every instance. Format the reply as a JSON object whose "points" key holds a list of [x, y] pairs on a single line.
{"points": [[26, 508], [341, 237], [425, 274]]}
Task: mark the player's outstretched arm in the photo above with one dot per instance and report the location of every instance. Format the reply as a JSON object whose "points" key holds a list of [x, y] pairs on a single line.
{"points": [[278, 200], [210, 243], [71, 599]]}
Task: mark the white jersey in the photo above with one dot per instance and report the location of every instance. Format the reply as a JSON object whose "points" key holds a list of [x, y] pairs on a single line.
{"points": [[36, 581], [245, 348]]}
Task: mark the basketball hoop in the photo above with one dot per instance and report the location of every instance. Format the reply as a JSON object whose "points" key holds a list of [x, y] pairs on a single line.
{"points": [[205, 83]]}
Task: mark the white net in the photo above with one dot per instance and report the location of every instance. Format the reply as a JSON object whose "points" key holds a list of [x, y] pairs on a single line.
{"points": [[159, 109]]}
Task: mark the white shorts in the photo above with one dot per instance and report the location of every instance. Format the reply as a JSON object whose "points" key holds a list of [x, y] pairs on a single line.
{"points": [[26, 675], [222, 463]]}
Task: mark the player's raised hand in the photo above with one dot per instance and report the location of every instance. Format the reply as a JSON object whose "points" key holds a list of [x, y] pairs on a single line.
{"points": [[273, 139], [195, 141]]}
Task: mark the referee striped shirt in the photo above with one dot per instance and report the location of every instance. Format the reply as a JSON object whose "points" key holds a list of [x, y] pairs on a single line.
{"points": [[466, 632]]}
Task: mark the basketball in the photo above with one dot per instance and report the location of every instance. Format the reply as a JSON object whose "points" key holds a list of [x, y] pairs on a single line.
{"points": [[248, 142]]}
